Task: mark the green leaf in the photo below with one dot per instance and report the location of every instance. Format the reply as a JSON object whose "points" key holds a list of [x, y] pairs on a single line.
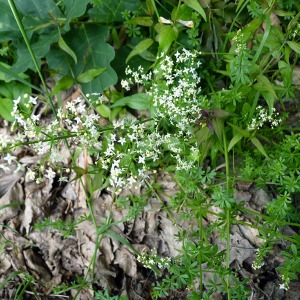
{"points": [[63, 46], [236, 138], [79, 170], [295, 46], [142, 21], [167, 34], [259, 146], [92, 53], [218, 128], [89, 75], [37, 8], [242, 132], [62, 85], [6, 107], [74, 9], [139, 48], [264, 85], [140, 101], [40, 49], [286, 73], [9, 29], [110, 11], [194, 4], [103, 110]]}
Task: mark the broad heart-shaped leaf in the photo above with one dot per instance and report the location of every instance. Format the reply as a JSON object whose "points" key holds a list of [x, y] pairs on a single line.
{"points": [[110, 11], [40, 48], [140, 101], [39, 9], [74, 9], [88, 42], [9, 29]]}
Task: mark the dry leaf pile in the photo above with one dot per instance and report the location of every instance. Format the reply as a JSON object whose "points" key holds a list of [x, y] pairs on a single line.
{"points": [[54, 260]]}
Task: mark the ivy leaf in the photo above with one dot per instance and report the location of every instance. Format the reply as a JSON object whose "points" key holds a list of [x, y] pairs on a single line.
{"points": [[93, 53], [74, 9]]}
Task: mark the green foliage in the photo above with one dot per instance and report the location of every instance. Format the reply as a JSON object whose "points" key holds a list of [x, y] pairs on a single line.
{"points": [[67, 227]]}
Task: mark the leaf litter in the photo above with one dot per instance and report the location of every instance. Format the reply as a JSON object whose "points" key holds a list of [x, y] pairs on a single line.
{"points": [[52, 259]]}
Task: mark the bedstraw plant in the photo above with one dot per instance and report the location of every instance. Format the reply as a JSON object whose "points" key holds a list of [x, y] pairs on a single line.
{"points": [[208, 114]]}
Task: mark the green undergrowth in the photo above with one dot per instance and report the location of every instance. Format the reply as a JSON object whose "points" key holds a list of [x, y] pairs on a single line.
{"points": [[206, 91]]}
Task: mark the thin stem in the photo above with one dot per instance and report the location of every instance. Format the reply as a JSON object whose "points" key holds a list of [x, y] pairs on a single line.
{"points": [[228, 243], [24, 34]]}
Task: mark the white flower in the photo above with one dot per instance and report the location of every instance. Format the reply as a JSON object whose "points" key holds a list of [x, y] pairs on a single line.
{"points": [[32, 100], [282, 286], [9, 158], [50, 173], [30, 174], [141, 159]]}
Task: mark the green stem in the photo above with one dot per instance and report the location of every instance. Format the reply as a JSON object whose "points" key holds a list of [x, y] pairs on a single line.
{"points": [[228, 243], [24, 34]]}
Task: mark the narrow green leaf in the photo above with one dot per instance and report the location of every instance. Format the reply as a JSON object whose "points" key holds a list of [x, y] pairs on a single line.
{"points": [[236, 138], [103, 110], [79, 170], [264, 85], [194, 4], [142, 21], [259, 146], [63, 46], [89, 75], [167, 34], [243, 132], [6, 107], [12, 204], [139, 48], [218, 128], [270, 101], [295, 46], [139, 101], [62, 85]]}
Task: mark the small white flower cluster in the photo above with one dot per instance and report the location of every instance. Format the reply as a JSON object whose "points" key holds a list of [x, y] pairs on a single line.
{"points": [[152, 259], [125, 150], [240, 43], [258, 263], [286, 282], [176, 100], [176, 93], [263, 117]]}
